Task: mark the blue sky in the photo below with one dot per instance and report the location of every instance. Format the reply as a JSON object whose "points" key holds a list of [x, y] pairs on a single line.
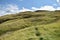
{"points": [[13, 6]]}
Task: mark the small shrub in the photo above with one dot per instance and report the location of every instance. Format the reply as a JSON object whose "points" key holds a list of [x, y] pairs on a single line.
{"points": [[30, 39], [37, 32], [36, 28], [41, 38]]}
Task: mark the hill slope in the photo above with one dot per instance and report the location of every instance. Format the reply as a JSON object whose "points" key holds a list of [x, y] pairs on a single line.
{"points": [[37, 25]]}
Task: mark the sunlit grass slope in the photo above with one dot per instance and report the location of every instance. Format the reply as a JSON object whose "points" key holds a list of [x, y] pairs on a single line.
{"points": [[38, 32], [44, 25]]}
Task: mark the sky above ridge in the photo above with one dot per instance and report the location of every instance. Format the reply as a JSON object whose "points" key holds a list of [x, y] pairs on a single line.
{"points": [[15, 6]]}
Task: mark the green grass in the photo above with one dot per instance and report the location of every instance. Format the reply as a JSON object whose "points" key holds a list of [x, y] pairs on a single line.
{"points": [[47, 32], [30, 26]]}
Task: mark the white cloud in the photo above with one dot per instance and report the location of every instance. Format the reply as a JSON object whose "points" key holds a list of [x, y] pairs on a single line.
{"points": [[58, 1], [12, 8], [49, 8], [58, 8], [1, 12], [9, 9], [25, 9], [34, 8]]}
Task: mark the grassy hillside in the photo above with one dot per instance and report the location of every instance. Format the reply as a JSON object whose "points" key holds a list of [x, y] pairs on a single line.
{"points": [[38, 25]]}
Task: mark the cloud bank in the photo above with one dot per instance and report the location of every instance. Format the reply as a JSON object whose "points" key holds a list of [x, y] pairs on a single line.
{"points": [[11, 9], [49, 8]]}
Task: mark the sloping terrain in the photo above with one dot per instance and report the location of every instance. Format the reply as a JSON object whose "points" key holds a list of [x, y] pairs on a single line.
{"points": [[38, 25]]}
